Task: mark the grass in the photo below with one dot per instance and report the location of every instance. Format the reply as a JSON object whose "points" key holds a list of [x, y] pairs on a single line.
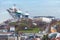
{"points": [[32, 30]]}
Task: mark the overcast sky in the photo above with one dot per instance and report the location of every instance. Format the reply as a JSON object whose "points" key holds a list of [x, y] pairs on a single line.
{"points": [[34, 7]]}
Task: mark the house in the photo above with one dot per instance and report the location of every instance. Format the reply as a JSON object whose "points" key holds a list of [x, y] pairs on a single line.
{"points": [[4, 28], [7, 36], [46, 19], [12, 29]]}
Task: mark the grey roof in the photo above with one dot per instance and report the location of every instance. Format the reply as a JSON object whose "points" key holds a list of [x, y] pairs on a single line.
{"points": [[44, 16]]}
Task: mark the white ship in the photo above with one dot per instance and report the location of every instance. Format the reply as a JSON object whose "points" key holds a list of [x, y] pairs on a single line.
{"points": [[17, 13]]}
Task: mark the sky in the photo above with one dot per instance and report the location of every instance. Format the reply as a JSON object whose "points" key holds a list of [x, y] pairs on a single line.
{"points": [[34, 7]]}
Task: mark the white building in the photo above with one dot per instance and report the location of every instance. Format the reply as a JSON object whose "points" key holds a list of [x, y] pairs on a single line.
{"points": [[12, 28], [26, 15], [46, 19]]}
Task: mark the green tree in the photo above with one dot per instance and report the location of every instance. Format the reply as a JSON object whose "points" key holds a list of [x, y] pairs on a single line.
{"points": [[12, 23]]}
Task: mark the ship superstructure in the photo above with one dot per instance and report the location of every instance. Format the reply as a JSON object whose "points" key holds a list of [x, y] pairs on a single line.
{"points": [[17, 13]]}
